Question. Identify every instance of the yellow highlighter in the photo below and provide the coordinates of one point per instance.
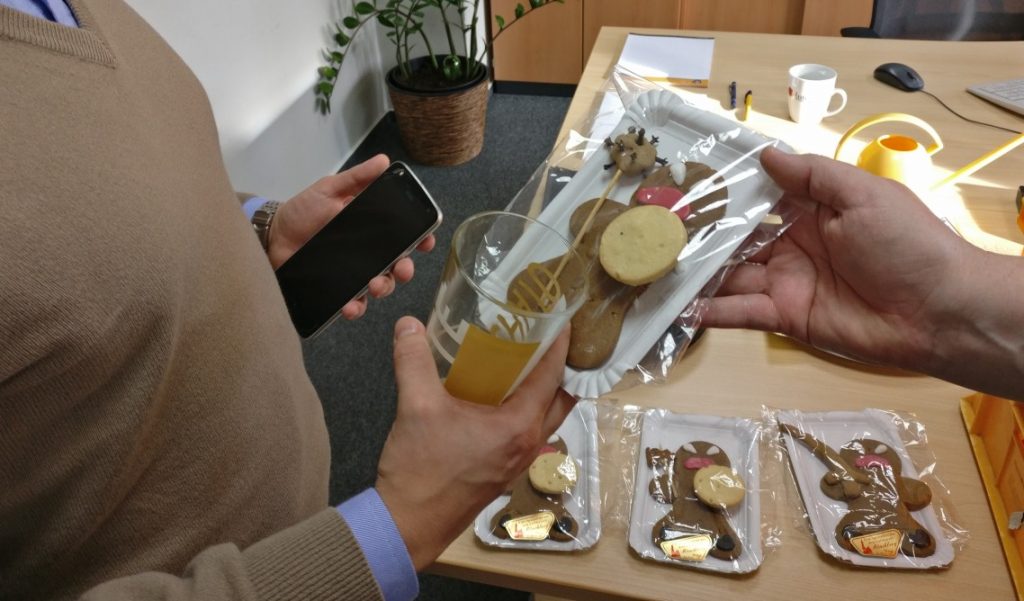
(748, 105)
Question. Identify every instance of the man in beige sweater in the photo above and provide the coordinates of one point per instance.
(159, 437)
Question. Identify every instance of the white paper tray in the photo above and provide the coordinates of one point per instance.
(685, 133)
(579, 431)
(737, 438)
(836, 428)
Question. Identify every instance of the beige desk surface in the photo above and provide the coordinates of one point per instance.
(736, 372)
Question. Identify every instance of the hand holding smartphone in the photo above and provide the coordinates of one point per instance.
(382, 224)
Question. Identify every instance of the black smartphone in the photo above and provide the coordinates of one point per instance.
(384, 223)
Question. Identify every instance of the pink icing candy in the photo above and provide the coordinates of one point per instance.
(546, 449)
(663, 196)
(872, 461)
(695, 463)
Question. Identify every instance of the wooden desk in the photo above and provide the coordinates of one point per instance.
(736, 372)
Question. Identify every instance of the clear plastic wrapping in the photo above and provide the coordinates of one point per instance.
(696, 491)
(869, 488)
(706, 170)
(555, 505)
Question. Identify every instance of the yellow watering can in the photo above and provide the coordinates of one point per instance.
(906, 160)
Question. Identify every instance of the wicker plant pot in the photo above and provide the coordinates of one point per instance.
(441, 127)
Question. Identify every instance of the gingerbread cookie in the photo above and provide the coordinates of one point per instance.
(597, 324)
(691, 518)
(867, 475)
(529, 501)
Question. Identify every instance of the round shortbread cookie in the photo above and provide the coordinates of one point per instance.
(553, 473)
(642, 244)
(719, 486)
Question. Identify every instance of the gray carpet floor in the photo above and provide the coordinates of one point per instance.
(350, 363)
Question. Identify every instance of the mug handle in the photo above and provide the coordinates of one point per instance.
(842, 105)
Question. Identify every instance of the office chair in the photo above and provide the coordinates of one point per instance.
(944, 20)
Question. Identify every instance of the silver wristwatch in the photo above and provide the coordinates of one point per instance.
(262, 219)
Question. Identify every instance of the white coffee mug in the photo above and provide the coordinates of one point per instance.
(811, 88)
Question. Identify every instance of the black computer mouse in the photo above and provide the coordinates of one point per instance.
(899, 76)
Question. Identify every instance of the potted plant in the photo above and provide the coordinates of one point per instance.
(439, 92)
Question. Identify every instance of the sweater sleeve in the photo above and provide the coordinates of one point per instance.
(317, 559)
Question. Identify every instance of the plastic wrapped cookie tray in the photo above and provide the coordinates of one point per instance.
(722, 540)
(541, 515)
(876, 510)
(685, 133)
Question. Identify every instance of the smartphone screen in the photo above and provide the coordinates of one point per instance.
(381, 225)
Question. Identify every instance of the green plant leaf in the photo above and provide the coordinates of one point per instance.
(364, 8)
(520, 11)
(501, 22)
(341, 39)
(337, 57)
(327, 72)
(325, 88)
(536, 3)
(350, 22)
(452, 67)
(385, 20)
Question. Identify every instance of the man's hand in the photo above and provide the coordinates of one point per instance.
(866, 272)
(445, 459)
(302, 216)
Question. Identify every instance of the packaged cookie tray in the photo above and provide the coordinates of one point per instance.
(697, 492)
(555, 505)
(714, 162)
(862, 493)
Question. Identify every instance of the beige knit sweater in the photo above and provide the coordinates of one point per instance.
(159, 437)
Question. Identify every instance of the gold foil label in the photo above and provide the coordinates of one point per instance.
(688, 548)
(884, 544)
(531, 527)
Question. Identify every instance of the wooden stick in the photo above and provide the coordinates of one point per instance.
(586, 224)
(546, 289)
(825, 453)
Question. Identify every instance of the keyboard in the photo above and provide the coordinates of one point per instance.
(1007, 94)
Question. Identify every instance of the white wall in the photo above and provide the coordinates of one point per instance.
(257, 60)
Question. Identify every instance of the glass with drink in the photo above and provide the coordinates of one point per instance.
(509, 287)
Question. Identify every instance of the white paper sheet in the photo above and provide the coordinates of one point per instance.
(679, 60)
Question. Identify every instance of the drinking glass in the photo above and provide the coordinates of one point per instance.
(509, 287)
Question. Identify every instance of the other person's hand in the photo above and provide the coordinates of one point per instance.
(302, 216)
(865, 272)
(445, 459)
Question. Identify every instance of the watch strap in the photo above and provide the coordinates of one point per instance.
(262, 220)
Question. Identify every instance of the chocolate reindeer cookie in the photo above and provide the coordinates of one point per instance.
(538, 497)
(700, 484)
(633, 152)
(867, 475)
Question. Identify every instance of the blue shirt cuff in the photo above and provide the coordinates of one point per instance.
(375, 531)
(249, 207)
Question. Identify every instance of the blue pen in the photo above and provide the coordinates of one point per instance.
(732, 95)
